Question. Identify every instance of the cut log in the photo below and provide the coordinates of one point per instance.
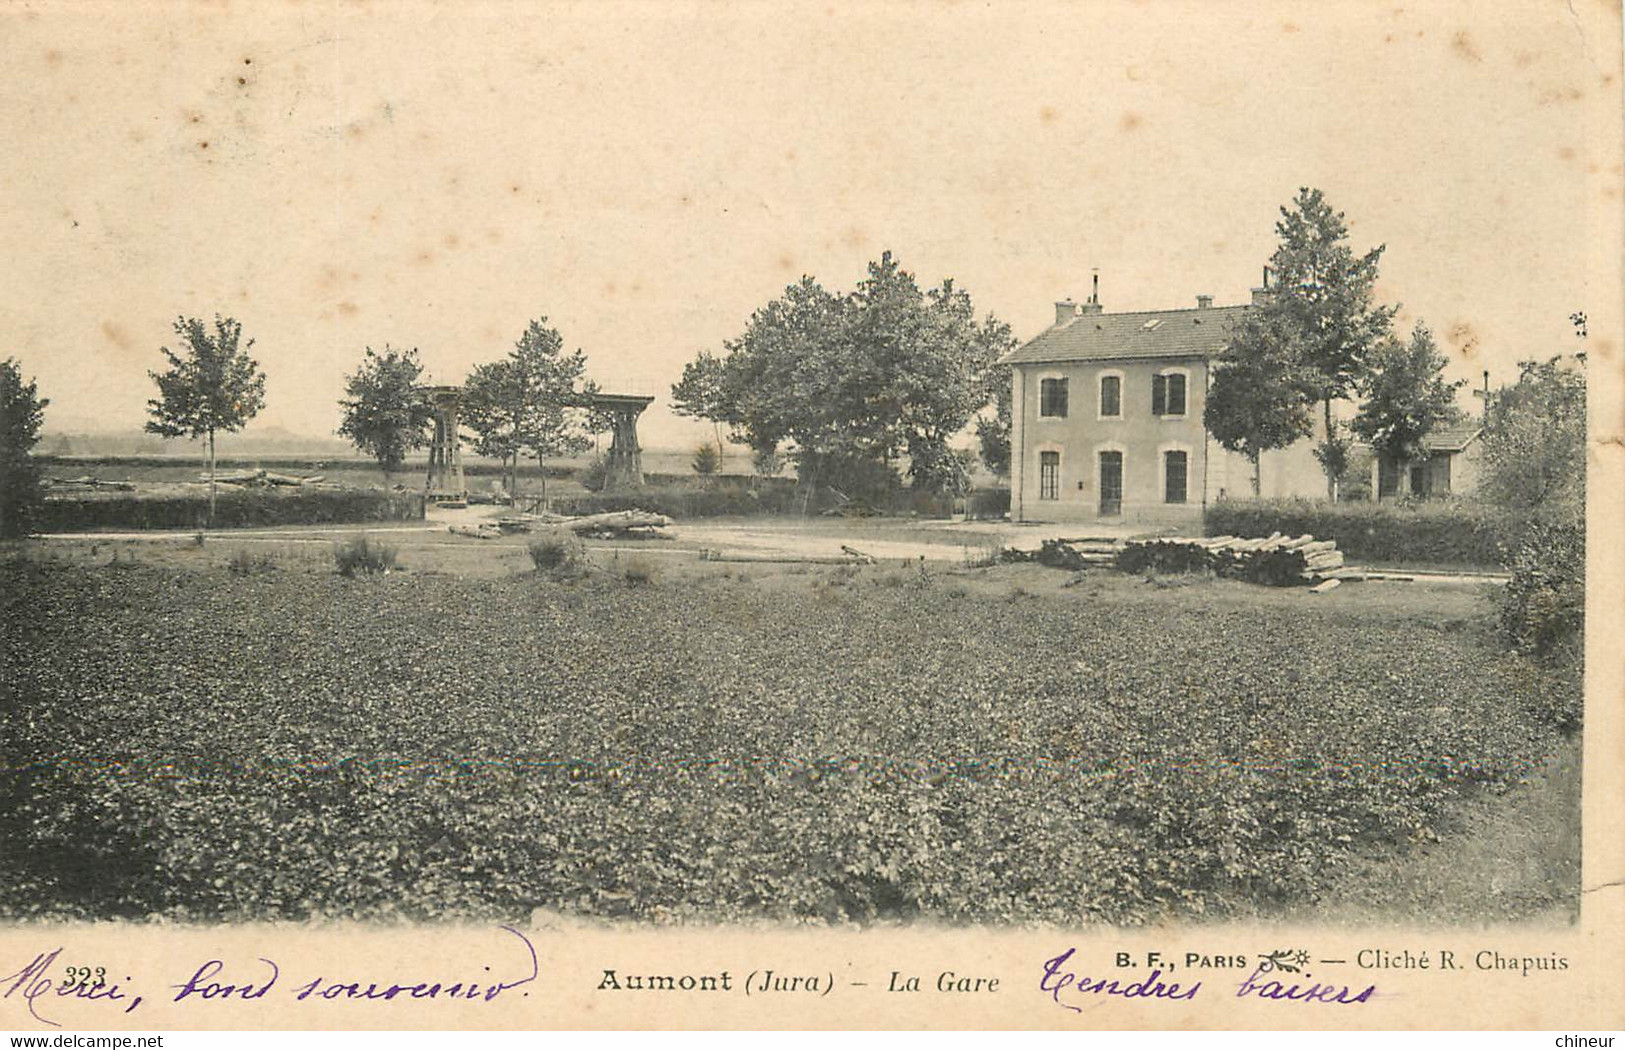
(1324, 560)
(478, 532)
(1318, 545)
(616, 521)
(1324, 586)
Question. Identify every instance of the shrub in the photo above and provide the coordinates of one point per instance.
(638, 571)
(594, 474)
(559, 551)
(364, 556)
(1453, 532)
(1542, 608)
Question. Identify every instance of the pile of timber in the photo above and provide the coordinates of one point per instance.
(1274, 560)
(1086, 553)
(261, 477)
(92, 483)
(613, 523)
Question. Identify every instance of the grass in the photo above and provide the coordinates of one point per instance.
(750, 748)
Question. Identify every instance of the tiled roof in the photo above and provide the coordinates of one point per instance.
(1453, 439)
(1095, 337)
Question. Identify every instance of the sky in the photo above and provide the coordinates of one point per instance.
(339, 175)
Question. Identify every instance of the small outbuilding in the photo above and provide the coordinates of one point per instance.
(1451, 463)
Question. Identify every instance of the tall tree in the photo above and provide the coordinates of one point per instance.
(1257, 402)
(993, 428)
(1406, 397)
(22, 412)
(531, 402)
(701, 393)
(385, 413)
(1325, 290)
(211, 386)
(494, 408)
(853, 382)
(1535, 439)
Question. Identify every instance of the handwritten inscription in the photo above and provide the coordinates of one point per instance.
(1065, 986)
(1301, 993)
(34, 985)
(37, 986)
(1059, 980)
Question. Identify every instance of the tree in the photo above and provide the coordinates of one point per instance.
(386, 415)
(701, 393)
(1324, 291)
(854, 382)
(493, 407)
(215, 387)
(1535, 439)
(993, 431)
(1256, 402)
(707, 460)
(1406, 397)
(531, 402)
(22, 412)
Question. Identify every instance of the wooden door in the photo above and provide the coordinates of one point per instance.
(1111, 483)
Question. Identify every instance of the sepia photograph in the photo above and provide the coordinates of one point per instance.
(879, 469)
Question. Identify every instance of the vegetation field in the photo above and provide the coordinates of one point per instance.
(824, 745)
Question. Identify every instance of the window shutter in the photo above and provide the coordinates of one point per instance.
(1176, 395)
(1159, 395)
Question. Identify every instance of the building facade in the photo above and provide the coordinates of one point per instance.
(1450, 466)
(1107, 420)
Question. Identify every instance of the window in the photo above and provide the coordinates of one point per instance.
(1111, 396)
(1168, 394)
(1175, 470)
(1049, 474)
(1052, 398)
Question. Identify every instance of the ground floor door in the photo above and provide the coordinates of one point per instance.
(1111, 484)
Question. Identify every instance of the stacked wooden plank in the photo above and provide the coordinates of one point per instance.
(1085, 553)
(1275, 560)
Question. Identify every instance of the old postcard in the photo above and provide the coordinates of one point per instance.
(830, 515)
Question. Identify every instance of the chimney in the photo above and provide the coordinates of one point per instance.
(1093, 305)
(1263, 293)
(1065, 310)
(1204, 302)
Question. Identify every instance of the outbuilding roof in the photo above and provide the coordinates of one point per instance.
(1197, 332)
(1454, 438)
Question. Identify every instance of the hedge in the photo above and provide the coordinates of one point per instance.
(237, 509)
(1441, 532)
(726, 498)
(720, 499)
